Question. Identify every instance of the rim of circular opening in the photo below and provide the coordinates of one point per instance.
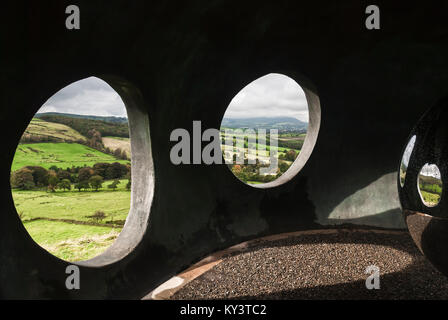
(142, 176)
(413, 139)
(314, 117)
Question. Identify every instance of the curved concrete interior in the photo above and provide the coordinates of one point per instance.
(428, 223)
(177, 62)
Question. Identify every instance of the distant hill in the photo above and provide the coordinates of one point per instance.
(42, 131)
(83, 124)
(280, 123)
(110, 119)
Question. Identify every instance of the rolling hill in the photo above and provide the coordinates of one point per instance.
(83, 124)
(110, 119)
(62, 155)
(280, 123)
(42, 131)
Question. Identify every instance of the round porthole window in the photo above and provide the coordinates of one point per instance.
(269, 130)
(71, 176)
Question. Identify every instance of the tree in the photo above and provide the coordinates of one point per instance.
(114, 184)
(40, 175)
(53, 182)
(116, 170)
(124, 155)
(117, 153)
(54, 168)
(283, 166)
(290, 155)
(98, 216)
(96, 182)
(63, 174)
(82, 185)
(22, 179)
(100, 169)
(85, 174)
(65, 184)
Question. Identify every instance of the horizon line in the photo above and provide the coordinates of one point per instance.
(78, 114)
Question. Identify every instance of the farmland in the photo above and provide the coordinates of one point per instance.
(39, 130)
(71, 242)
(62, 155)
(74, 205)
(70, 190)
(114, 143)
(431, 199)
(430, 189)
(246, 146)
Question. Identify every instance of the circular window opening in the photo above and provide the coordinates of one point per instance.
(430, 185)
(71, 172)
(269, 130)
(405, 160)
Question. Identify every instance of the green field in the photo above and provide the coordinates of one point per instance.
(73, 204)
(288, 150)
(67, 223)
(431, 199)
(62, 155)
(64, 239)
(71, 242)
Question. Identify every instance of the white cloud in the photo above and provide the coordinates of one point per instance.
(90, 96)
(430, 170)
(272, 95)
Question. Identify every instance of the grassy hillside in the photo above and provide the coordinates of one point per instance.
(71, 242)
(40, 130)
(280, 123)
(110, 119)
(114, 143)
(74, 204)
(83, 125)
(43, 214)
(62, 155)
(64, 222)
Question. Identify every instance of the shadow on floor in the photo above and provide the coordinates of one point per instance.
(242, 275)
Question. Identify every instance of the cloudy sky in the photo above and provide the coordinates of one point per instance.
(430, 170)
(90, 96)
(272, 95)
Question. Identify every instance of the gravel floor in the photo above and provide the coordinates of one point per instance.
(322, 266)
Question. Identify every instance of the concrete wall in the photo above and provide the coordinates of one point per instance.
(185, 61)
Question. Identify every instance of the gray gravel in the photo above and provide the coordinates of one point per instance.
(322, 266)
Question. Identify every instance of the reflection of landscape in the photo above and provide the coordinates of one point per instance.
(254, 149)
(405, 160)
(70, 182)
(430, 185)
